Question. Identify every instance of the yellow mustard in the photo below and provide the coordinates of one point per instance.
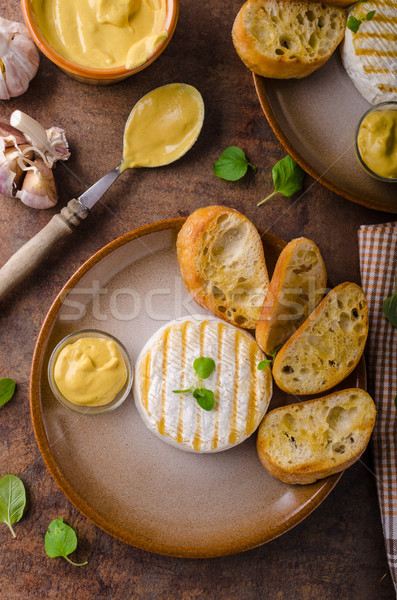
(102, 34)
(377, 142)
(90, 371)
(162, 126)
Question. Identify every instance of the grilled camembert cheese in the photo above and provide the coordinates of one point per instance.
(242, 392)
(370, 55)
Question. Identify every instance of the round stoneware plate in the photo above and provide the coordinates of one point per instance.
(114, 470)
(315, 119)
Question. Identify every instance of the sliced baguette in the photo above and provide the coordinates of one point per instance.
(310, 440)
(296, 288)
(287, 38)
(327, 346)
(222, 263)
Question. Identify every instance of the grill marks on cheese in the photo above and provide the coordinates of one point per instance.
(375, 45)
(242, 393)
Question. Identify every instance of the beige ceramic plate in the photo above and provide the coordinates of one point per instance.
(315, 119)
(122, 477)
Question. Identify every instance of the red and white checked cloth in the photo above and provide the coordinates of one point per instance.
(378, 262)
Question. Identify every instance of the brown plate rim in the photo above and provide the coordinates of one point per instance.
(224, 549)
(260, 88)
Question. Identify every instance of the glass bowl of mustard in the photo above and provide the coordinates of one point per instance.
(375, 141)
(90, 372)
(101, 41)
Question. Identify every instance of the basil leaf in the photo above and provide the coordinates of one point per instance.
(61, 540)
(204, 366)
(7, 389)
(287, 178)
(264, 363)
(353, 24)
(232, 164)
(205, 398)
(369, 16)
(12, 500)
(390, 309)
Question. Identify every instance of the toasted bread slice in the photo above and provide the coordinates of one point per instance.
(310, 440)
(296, 288)
(287, 38)
(327, 346)
(222, 263)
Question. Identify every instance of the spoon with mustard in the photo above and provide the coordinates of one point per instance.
(161, 128)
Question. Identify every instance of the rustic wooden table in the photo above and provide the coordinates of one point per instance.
(338, 551)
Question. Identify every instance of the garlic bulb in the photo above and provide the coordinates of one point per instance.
(19, 59)
(28, 152)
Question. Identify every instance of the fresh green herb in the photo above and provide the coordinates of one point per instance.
(269, 361)
(12, 500)
(61, 540)
(203, 367)
(390, 307)
(354, 24)
(184, 391)
(7, 389)
(265, 363)
(395, 401)
(287, 178)
(205, 398)
(232, 164)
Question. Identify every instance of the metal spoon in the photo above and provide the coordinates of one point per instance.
(30, 255)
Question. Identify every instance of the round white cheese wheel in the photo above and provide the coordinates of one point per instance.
(370, 55)
(242, 392)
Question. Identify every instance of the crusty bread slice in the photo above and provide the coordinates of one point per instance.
(310, 440)
(327, 346)
(296, 288)
(222, 263)
(287, 38)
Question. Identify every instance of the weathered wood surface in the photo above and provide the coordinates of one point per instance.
(338, 551)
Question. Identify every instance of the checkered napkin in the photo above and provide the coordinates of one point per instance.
(378, 262)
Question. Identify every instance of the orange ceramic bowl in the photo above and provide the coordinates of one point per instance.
(87, 74)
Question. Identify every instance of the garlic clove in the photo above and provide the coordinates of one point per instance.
(19, 59)
(35, 132)
(11, 182)
(7, 177)
(9, 136)
(38, 188)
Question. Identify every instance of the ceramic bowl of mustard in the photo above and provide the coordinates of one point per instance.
(90, 372)
(101, 41)
(375, 141)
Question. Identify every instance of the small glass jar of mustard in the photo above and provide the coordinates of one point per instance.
(90, 372)
(376, 141)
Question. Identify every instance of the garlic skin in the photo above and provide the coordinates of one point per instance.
(50, 144)
(19, 59)
(38, 188)
(11, 173)
(57, 139)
